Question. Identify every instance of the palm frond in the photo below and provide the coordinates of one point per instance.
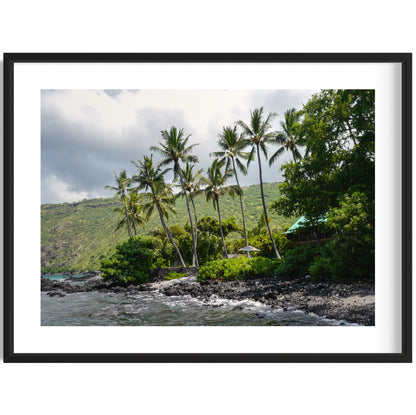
(187, 150)
(189, 158)
(263, 149)
(280, 138)
(297, 154)
(110, 188)
(217, 154)
(159, 150)
(269, 137)
(164, 162)
(233, 190)
(228, 164)
(252, 156)
(277, 154)
(246, 129)
(241, 166)
(269, 118)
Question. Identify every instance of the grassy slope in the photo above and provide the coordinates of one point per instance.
(78, 235)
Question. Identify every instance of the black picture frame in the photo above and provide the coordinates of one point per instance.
(404, 59)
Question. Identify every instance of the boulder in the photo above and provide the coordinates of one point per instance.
(56, 294)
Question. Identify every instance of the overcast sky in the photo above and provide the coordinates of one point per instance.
(87, 135)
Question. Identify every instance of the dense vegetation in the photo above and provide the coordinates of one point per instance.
(76, 236)
(131, 262)
(335, 179)
(238, 268)
(331, 185)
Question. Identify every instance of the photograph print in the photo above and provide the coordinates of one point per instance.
(207, 207)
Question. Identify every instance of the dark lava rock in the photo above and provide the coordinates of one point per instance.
(119, 289)
(73, 289)
(269, 295)
(56, 294)
(47, 284)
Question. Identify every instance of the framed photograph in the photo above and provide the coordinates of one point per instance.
(207, 207)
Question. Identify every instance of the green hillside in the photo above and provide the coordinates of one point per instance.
(78, 235)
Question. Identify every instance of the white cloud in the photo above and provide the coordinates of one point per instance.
(55, 190)
(88, 134)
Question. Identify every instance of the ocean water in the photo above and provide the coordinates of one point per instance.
(59, 277)
(152, 308)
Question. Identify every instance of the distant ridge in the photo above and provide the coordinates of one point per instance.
(78, 235)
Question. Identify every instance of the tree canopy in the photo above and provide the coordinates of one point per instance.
(338, 127)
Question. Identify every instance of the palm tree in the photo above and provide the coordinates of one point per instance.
(123, 182)
(215, 188)
(151, 177)
(135, 210)
(259, 135)
(232, 146)
(173, 149)
(165, 199)
(289, 137)
(193, 184)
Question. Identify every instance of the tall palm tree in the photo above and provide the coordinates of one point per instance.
(173, 149)
(216, 188)
(289, 138)
(151, 177)
(135, 203)
(193, 183)
(123, 182)
(259, 135)
(232, 145)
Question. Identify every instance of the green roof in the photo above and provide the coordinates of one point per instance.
(302, 222)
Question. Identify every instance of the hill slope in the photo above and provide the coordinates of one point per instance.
(78, 235)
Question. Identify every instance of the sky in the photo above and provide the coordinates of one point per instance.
(88, 135)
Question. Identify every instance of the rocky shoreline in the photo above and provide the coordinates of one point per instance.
(353, 302)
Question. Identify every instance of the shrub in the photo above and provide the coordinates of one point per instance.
(174, 275)
(298, 260)
(209, 248)
(320, 268)
(237, 268)
(351, 253)
(131, 261)
(263, 243)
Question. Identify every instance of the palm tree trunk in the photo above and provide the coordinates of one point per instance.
(315, 233)
(222, 235)
(134, 222)
(264, 206)
(194, 256)
(167, 232)
(128, 221)
(196, 221)
(293, 155)
(242, 206)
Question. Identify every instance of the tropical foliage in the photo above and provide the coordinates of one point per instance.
(174, 275)
(298, 260)
(232, 145)
(76, 236)
(238, 268)
(257, 131)
(174, 149)
(123, 182)
(131, 262)
(351, 253)
(216, 188)
(331, 140)
(151, 177)
(336, 179)
(290, 137)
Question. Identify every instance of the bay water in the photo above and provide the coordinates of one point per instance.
(152, 308)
